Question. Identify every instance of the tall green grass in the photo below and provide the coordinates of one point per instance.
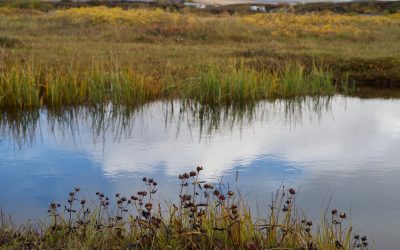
(34, 85)
(217, 84)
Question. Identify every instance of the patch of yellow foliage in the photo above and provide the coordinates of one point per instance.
(277, 24)
(103, 14)
(289, 24)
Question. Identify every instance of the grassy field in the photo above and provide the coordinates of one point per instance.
(205, 216)
(97, 54)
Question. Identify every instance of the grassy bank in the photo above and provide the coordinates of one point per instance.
(86, 55)
(205, 216)
(31, 86)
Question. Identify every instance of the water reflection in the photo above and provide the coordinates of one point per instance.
(348, 147)
(24, 127)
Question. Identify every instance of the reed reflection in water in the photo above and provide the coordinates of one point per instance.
(26, 127)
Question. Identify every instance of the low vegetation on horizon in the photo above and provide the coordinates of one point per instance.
(205, 216)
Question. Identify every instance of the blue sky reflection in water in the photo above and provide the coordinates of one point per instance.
(345, 147)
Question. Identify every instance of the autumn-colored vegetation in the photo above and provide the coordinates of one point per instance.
(94, 55)
(287, 24)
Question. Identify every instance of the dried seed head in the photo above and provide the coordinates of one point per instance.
(192, 174)
(77, 189)
(291, 191)
(199, 168)
(252, 246)
(53, 205)
(334, 211)
(342, 215)
(216, 192)
(186, 197)
(142, 193)
(230, 193)
(149, 206)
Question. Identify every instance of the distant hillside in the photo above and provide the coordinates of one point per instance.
(218, 6)
(362, 7)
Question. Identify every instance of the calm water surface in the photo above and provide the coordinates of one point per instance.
(347, 148)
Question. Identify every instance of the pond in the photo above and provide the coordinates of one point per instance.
(339, 152)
